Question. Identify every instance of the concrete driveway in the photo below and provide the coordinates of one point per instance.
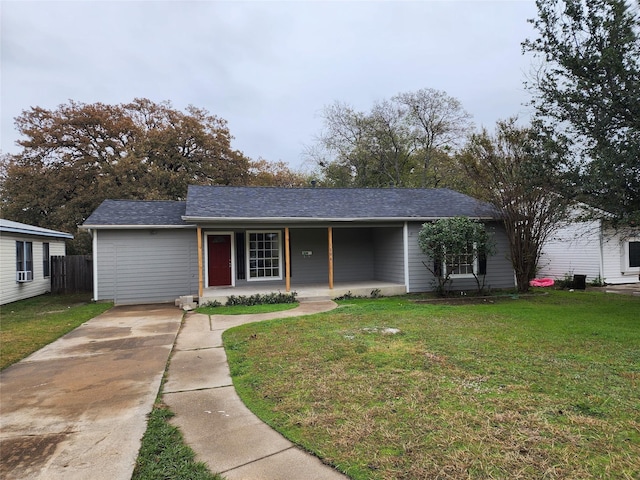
(77, 408)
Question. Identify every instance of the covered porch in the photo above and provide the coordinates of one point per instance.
(306, 292)
(315, 261)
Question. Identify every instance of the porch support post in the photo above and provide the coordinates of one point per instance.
(287, 260)
(200, 281)
(331, 258)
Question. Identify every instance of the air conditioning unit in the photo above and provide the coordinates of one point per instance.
(24, 276)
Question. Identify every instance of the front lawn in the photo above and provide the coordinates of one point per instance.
(28, 325)
(539, 387)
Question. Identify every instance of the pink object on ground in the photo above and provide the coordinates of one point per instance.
(541, 282)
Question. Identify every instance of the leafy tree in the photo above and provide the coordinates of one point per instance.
(588, 90)
(274, 174)
(448, 240)
(77, 155)
(519, 172)
(405, 141)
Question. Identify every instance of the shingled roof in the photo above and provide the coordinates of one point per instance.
(304, 204)
(137, 213)
(215, 202)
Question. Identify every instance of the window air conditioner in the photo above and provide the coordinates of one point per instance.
(24, 276)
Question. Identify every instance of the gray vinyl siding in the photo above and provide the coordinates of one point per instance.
(146, 266)
(313, 268)
(353, 257)
(499, 270)
(388, 248)
(420, 279)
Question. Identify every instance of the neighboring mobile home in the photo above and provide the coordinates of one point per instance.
(25, 255)
(590, 248)
(229, 239)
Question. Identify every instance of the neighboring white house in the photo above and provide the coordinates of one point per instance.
(25, 253)
(590, 248)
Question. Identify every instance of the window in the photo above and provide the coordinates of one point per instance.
(24, 261)
(463, 265)
(264, 255)
(46, 270)
(634, 253)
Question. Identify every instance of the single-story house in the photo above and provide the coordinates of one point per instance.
(234, 240)
(25, 255)
(591, 248)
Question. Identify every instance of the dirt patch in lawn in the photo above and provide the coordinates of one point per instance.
(476, 300)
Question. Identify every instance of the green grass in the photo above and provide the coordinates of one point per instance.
(28, 325)
(164, 455)
(538, 387)
(163, 452)
(243, 310)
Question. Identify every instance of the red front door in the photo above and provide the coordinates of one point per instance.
(219, 248)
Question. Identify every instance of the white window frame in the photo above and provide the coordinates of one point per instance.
(626, 268)
(248, 268)
(46, 260)
(474, 265)
(23, 273)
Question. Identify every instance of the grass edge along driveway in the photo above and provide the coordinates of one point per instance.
(28, 325)
(543, 387)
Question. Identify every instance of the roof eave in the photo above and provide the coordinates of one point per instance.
(132, 227)
(36, 233)
(321, 220)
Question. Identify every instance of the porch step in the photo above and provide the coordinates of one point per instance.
(186, 303)
(321, 298)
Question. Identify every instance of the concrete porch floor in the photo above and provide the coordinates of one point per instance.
(311, 291)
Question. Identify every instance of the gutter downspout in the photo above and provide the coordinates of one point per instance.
(405, 241)
(601, 240)
(94, 250)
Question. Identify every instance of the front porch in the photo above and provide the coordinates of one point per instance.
(306, 292)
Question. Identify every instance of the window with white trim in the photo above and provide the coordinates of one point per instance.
(46, 263)
(462, 265)
(24, 261)
(264, 256)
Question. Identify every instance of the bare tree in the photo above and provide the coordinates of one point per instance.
(437, 122)
(520, 174)
(397, 142)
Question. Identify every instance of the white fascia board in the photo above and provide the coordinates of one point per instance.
(37, 233)
(319, 220)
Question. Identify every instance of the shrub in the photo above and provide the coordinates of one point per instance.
(261, 299)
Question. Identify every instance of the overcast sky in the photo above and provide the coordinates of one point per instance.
(267, 67)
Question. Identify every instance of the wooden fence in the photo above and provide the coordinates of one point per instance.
(71, 274)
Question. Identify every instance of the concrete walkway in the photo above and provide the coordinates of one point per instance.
(624, 289)
(77, 408)
(214, 421)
